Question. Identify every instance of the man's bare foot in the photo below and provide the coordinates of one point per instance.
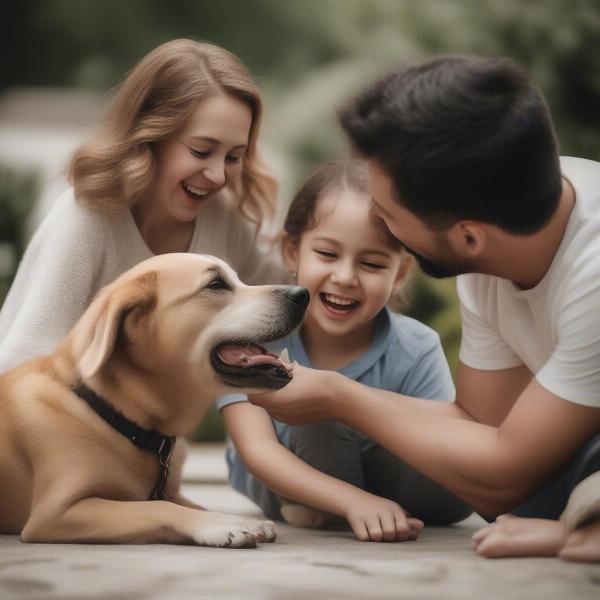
(300, 515)
(514, 536)
(583, 544)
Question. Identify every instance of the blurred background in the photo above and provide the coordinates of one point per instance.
(60, 59)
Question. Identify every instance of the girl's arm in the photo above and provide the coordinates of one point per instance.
(371, 517)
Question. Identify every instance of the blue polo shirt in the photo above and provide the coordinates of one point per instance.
(405, 356)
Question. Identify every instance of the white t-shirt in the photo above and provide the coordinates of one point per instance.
(554, 328)
(77, 250)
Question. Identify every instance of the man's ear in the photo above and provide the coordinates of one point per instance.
(289, 253)
(406, 264)
(468, 238)
(97, 331)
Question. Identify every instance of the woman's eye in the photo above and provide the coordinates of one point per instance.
(326, 253)
(218, 283)
(234, 159)
(200, 153)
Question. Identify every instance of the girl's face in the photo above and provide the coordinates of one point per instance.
(204, 157)
(345, 264)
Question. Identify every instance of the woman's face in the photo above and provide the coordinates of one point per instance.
(204, 157)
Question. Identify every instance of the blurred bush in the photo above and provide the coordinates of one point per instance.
(18, 192)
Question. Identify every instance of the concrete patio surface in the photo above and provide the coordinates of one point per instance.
(301, 564)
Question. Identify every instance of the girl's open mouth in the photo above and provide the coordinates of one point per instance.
(338, 305)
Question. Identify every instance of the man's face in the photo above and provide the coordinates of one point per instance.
(429, 247)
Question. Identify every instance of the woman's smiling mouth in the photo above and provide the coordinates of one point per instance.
(193, 192)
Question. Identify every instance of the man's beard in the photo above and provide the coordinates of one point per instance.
(433, 269)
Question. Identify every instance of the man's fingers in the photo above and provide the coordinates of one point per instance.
(482, 533)
(259, 399)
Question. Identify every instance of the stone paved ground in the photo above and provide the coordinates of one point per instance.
(302, 564)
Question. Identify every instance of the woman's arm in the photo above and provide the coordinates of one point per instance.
(371, 517)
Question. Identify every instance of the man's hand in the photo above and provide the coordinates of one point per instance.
(308, 398)
(378, 519)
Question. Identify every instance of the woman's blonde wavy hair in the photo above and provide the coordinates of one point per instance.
(115, 168)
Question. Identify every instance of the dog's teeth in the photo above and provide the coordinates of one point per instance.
(284, 355)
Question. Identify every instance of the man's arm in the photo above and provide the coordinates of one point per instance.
(493, 465)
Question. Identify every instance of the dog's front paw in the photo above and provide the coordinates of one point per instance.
(228, 531)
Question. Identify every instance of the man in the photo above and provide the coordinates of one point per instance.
(464, 170)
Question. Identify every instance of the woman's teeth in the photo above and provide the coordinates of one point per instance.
(193, 190)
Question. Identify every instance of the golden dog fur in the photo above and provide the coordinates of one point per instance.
(144, 345)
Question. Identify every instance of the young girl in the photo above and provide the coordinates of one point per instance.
(351, 265)
(173, 168)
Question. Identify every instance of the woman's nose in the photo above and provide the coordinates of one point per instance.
(215, 173)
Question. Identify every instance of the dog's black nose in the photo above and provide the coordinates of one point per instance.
(299, 295)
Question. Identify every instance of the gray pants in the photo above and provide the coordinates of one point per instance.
(349, 455)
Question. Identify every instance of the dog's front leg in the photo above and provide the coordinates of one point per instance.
(180, 499)
(96, 520)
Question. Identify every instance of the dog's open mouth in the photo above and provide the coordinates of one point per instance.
(249, 365)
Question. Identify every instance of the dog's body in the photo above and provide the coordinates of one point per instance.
(158, 344)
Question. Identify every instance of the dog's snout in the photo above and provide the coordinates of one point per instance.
(299, 295)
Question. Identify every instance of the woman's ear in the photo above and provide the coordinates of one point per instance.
(289, 253)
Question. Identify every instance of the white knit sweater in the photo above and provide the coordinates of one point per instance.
(77, 250)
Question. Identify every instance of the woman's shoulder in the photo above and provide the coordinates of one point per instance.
(70, 224)
(69, 211)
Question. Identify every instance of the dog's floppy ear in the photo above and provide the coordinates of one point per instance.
(98, 330)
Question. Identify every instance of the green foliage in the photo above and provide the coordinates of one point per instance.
(17, 195)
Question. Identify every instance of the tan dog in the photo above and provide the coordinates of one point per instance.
(158, 344)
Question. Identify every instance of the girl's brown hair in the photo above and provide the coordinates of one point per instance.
(332, 177)
(115, 169)
(337, 177)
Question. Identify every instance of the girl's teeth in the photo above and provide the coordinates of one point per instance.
(341, 301)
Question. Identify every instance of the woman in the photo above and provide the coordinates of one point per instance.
(172, 168)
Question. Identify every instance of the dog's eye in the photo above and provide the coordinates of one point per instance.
(218, 283)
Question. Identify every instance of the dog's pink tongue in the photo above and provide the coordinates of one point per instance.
(245, 356)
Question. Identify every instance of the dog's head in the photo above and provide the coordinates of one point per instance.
(189, 314)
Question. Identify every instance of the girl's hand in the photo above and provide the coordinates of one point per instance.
(378, 519)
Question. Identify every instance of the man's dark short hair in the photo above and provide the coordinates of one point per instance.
(461, 138)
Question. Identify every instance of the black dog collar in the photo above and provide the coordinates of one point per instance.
(145, 439)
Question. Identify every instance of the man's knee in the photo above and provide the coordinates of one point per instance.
(588, 461)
